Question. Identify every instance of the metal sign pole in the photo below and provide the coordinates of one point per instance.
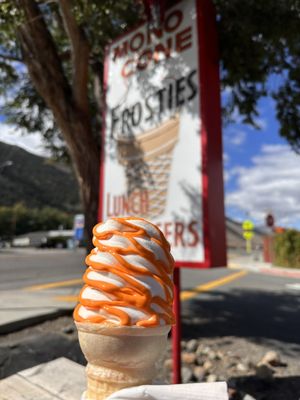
(176, 330)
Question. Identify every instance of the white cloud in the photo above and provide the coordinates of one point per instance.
(235, 138)
(272, 183)
(226, 158)
(226, 175)
(31, 142)
(226, 172)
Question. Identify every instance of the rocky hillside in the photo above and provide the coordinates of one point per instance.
(35, 181)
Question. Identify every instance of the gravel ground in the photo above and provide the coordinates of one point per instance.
(253, 369)
(241, 363)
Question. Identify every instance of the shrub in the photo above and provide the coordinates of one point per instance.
(18, 219)
(287, 249)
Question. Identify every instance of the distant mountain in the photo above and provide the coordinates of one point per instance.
(35, 181)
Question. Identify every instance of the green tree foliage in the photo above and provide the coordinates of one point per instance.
(287, 249)
(257, 39)
(19, 219)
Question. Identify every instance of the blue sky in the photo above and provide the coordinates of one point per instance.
(261, 171)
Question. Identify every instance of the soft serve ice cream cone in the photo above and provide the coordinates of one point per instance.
(125, 308)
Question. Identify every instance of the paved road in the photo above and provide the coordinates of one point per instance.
(218, 302)
(22, 268)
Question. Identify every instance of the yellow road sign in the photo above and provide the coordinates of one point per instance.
(248, 235)
(248, 225)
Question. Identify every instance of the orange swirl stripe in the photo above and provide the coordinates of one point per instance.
(132, 293)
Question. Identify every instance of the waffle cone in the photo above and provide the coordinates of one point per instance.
(102, 382)
(119, 357)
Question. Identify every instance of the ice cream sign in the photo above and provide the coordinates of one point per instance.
(160, 148)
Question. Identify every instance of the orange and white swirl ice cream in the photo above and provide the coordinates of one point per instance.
(129, 277)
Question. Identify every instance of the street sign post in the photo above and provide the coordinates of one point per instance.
(248, 234)
(162, 152)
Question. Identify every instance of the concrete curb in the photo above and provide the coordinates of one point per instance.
(266, 269)
(277, 271)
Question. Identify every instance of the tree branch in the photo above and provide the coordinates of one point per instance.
(40, 55)
(80, 55)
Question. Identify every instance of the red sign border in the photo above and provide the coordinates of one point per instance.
(211, 138)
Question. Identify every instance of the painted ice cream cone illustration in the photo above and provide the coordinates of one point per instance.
(147, 160)
(125, 307)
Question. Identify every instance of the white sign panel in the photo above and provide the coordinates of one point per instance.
(152, 159)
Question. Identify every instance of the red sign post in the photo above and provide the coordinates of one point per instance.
(162, 152)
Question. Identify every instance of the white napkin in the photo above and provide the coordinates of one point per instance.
(189, 391)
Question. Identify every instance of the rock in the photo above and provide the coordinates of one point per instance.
(183, 345)
(212, 355)
(264, 371)
(232, 365)
(68, 329)
(207, 365)
(188, 358)
(248, 397)
(251, 365)
(200, 359)
(206, 350)
(272, 358)
(219, 355)
(211, 378)
(199, 350)
(186, 374)
(191, 345)
(168, 364)
(241, 367)
(199, 373)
